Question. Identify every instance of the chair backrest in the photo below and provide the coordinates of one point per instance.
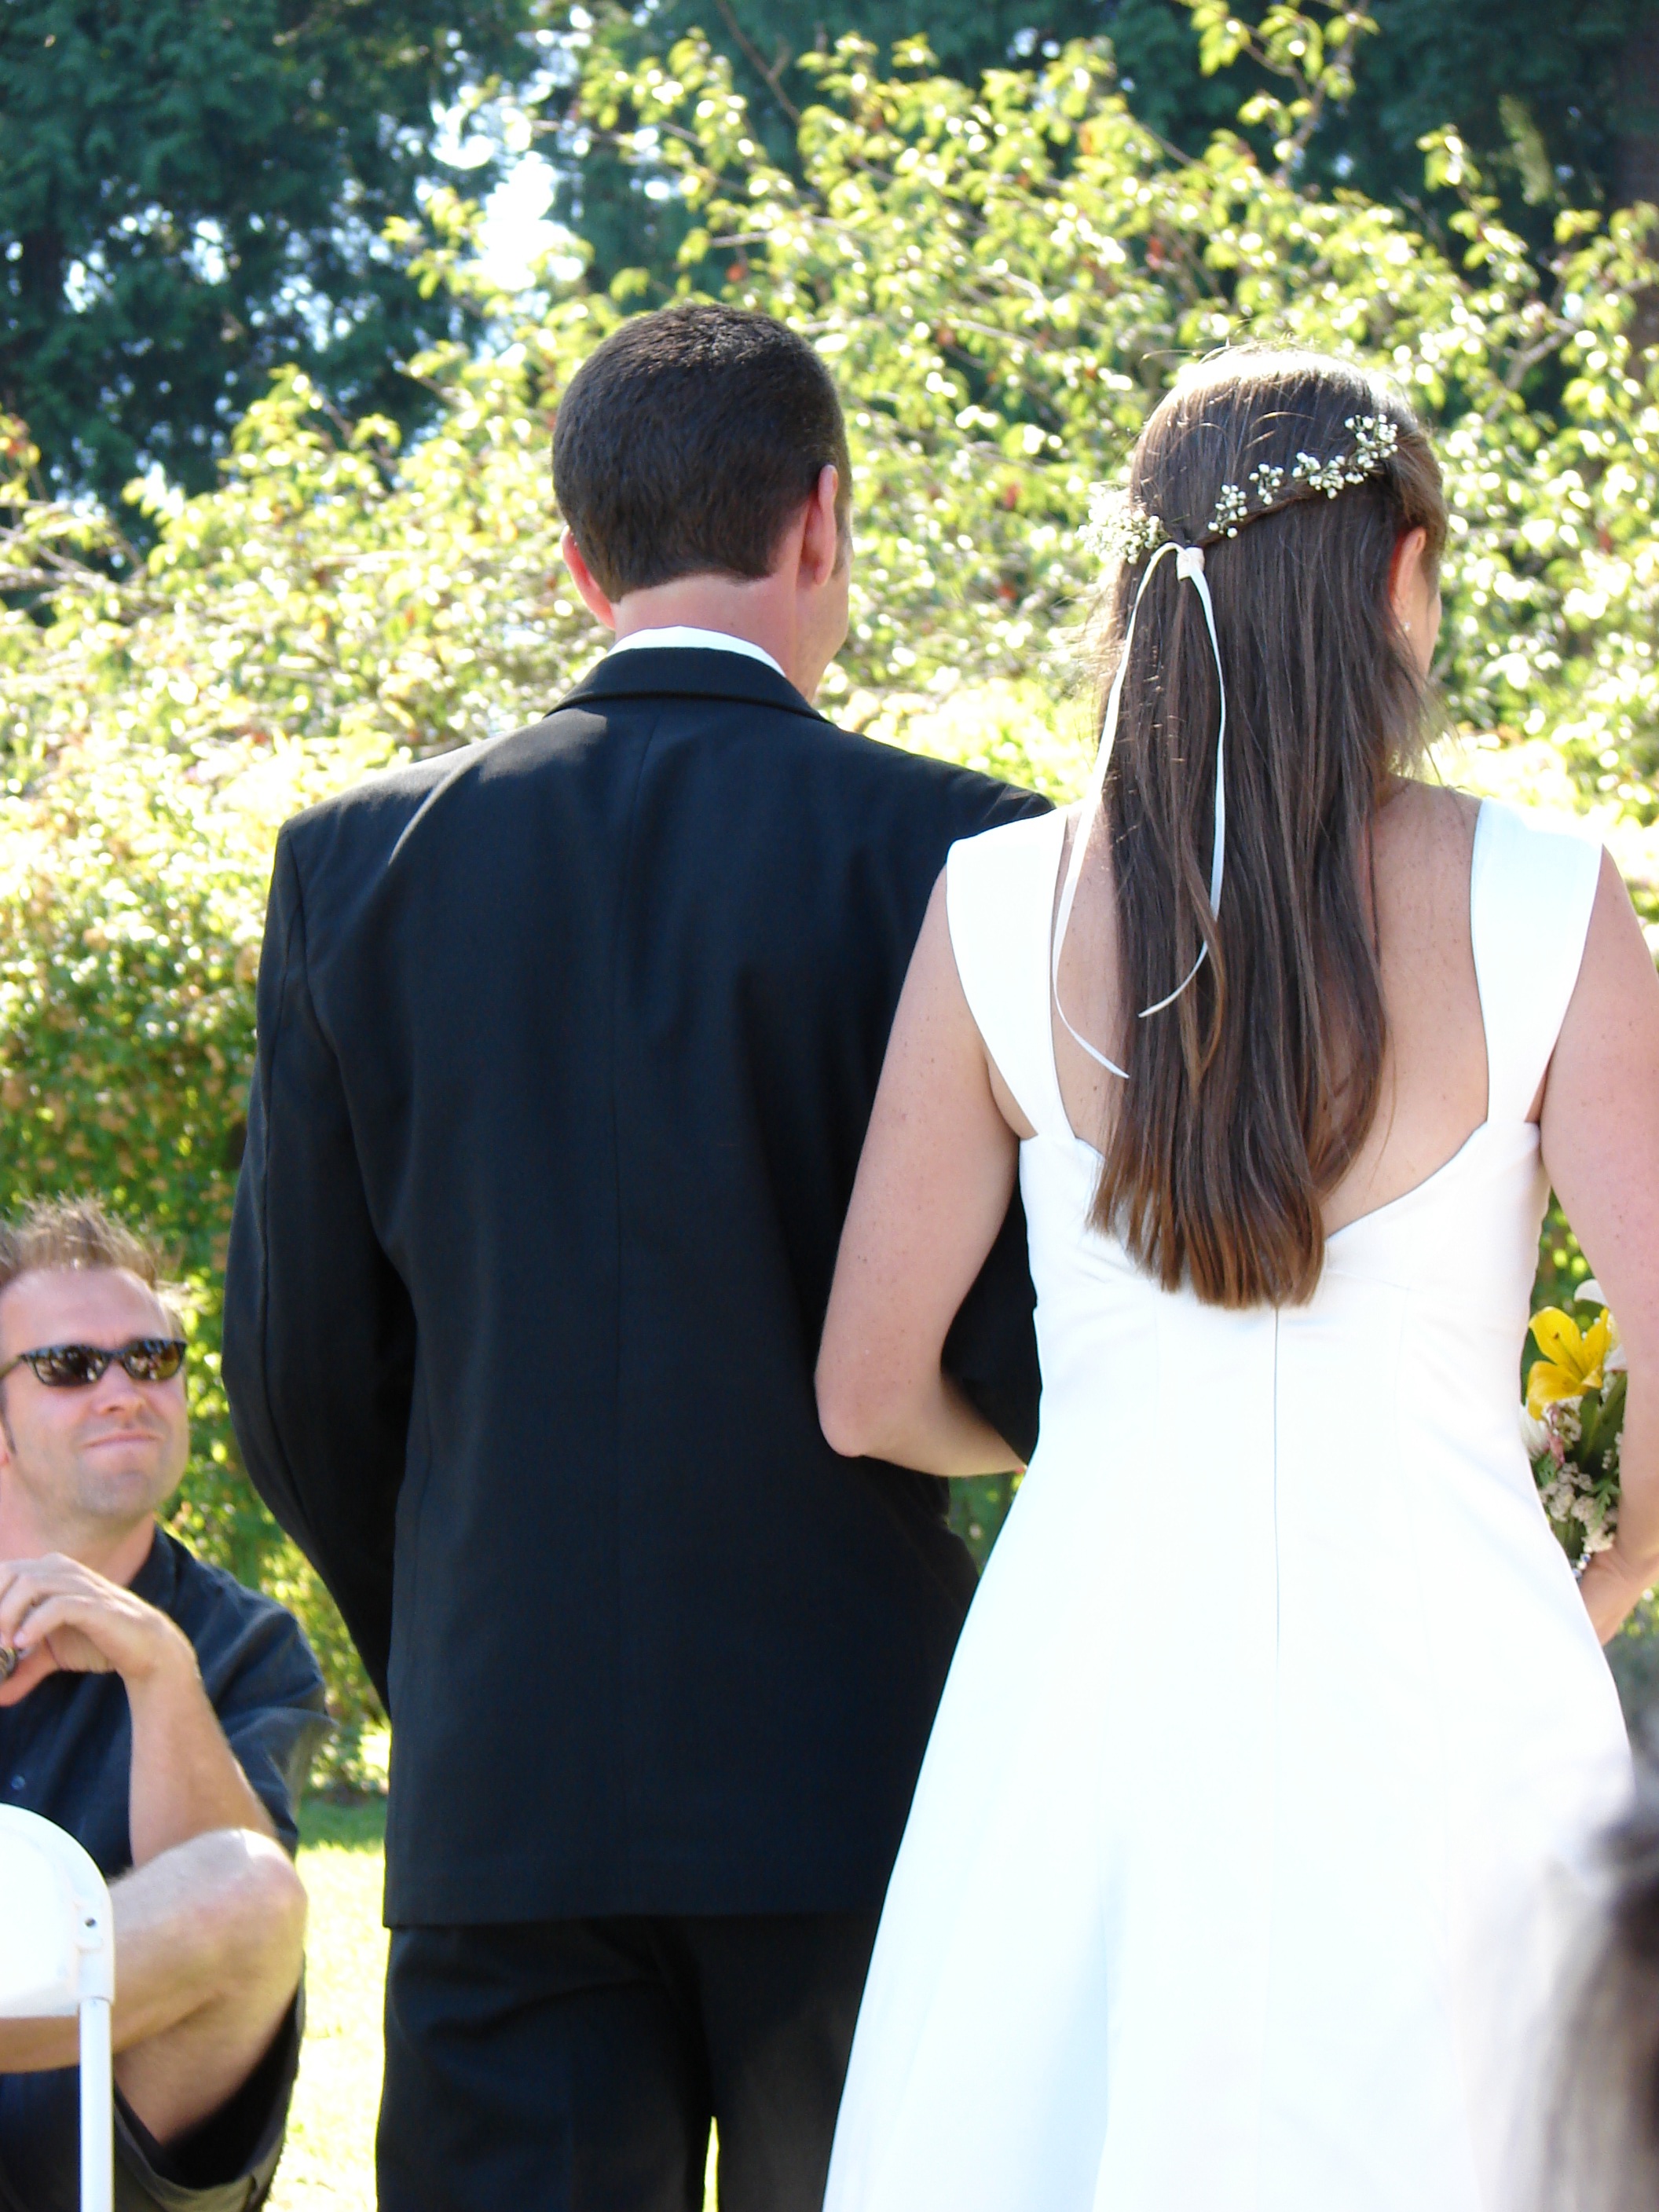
(56, 1944)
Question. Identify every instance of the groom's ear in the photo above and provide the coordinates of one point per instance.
(823, 543)
(582, 577)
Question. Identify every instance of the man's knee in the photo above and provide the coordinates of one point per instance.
(240, 1909)
(256, 1904)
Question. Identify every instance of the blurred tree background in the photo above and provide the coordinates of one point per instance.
(1004, 272)
(193, 194)
(1559, 106)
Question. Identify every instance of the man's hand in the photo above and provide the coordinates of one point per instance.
(61, 1617)
(58, 1616)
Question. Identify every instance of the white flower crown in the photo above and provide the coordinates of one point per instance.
(1116, 531)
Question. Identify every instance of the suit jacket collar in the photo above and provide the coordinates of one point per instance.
(687, 672)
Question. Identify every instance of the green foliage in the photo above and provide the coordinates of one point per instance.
(1538, 91)
(979, 1506)
(1633, 1655)
(1561, 1267)
(1005, 279)
(130, 908)
(769, 46)
(1548, 99)
(194, 194)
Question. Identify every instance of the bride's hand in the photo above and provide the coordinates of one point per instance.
(1611, 1586)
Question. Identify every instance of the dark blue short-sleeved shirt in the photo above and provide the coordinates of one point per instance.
(66, 1750)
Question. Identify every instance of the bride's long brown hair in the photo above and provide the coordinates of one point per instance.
(1249, 1096)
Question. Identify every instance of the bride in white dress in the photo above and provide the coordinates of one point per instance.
(1251, 1843)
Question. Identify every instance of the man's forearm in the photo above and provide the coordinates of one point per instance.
(186, 1778)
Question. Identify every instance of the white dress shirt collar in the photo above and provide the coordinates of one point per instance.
(674, 635)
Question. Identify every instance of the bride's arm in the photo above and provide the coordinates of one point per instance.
(933, 1185)
(1600, 1127)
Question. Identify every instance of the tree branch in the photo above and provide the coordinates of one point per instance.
(751, 54)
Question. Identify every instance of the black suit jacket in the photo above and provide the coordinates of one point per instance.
(567, 1046)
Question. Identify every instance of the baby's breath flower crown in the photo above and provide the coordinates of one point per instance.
(1117, 531)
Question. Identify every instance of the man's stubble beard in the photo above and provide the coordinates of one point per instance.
(85, 1502)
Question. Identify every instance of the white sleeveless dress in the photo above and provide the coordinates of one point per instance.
(1256, 1819)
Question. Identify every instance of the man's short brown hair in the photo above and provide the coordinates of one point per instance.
(688, 441)
(76, 1232)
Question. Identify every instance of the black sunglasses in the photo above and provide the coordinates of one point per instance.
(73, 1366)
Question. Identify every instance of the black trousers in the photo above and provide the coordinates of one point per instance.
(575, 2065)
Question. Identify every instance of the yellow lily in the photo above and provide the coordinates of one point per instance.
(1573, 1358)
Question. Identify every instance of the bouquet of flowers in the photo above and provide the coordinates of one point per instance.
(1572, 1420)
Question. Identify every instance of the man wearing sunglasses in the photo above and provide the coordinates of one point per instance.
(161, 1713)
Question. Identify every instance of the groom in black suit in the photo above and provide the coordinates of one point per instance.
(567, 1045)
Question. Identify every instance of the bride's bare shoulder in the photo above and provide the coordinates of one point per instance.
(1426, 831)
(1433, 813)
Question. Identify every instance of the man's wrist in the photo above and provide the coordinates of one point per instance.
(168, 1666)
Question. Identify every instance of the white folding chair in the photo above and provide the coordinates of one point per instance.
(58, 1961)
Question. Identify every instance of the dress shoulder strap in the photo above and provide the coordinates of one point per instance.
(1000, 903)
(1530, 894)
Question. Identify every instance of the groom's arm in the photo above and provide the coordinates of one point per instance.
(991, 1351)
(319, 1336)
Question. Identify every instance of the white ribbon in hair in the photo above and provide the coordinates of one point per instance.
(1189, 568)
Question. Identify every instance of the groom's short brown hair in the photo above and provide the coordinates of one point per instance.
(689, 440)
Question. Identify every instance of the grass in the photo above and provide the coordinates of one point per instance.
(329, 2164)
